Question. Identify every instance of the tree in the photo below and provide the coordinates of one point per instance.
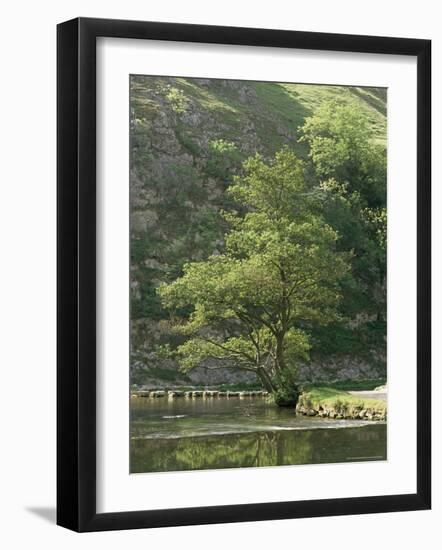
(342, 147)
(251, 306)
(351, 167)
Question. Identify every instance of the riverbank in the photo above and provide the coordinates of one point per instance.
(365, 403)
(327, 402)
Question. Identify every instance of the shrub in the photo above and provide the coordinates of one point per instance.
(286, 397)
(287, 391)
(177, 99)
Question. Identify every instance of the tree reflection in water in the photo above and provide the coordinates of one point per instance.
(270, 448)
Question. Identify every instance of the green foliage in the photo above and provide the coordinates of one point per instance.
(164, 351)
(376, 220)
(351, 168)
(224, 158)
(187, 141)
(140, 248)
(177, 99)
(145, 303)
(340, 338)
(223, 147)
(286, 393)
(341, 147)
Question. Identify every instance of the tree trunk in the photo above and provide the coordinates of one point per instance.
(265, 380)
(280, 361)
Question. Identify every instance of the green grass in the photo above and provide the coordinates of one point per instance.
(331, 397)
(350, 385)
(310, 97)
(214, 102)
(282, 104)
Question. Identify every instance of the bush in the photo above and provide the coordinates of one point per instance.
(286, 397)
(287, 391)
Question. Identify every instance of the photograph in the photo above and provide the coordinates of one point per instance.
(220, 266)
(258, 273)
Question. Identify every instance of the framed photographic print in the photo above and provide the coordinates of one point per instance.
(243, 274)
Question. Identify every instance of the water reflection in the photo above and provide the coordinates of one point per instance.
(219, 433)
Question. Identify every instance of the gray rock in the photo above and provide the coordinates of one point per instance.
(176, 393)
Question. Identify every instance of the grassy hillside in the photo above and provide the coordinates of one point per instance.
(275, 110)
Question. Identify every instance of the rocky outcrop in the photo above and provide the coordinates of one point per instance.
(344, 367)
(340, 413)
(328, 369)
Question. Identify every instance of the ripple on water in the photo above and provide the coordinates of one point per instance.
(182, 419)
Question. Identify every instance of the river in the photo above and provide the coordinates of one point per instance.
(197, 434)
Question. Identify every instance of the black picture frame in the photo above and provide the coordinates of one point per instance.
(76, 273)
